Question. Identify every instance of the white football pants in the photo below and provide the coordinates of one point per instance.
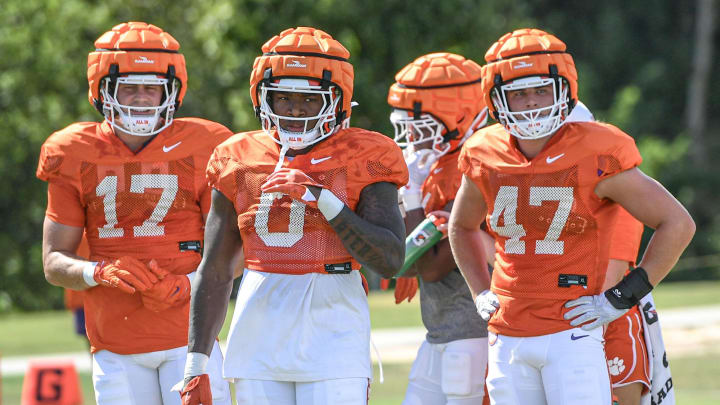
(562, 368)
(147, 378)
(341, 391)
(451, 373)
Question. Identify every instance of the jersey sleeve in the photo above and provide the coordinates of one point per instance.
(64, 205)
(220, 173)
(622, 154)
(441, 187)
(382, 161)
(626, 236)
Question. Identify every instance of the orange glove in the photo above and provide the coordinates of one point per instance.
(197, 391)
(405, 288)
(126, 273)
(292, 182)
(170, 291)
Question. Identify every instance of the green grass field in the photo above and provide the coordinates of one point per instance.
(696, 377)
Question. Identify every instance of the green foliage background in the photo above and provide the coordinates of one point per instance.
(633, 60)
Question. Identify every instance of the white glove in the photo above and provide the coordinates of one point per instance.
(486, 303)
(595, 308)
(418, 164)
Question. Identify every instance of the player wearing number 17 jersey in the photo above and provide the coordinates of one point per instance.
(309, 200)
(550, 192)
(135, 185)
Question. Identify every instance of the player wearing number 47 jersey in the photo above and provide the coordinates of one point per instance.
(550, 192)
(135, 184)
(309, 200)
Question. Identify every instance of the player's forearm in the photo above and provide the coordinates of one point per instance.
(208, 306)
(668, 242)
(469, 255)
(375, 247)
(64, 269)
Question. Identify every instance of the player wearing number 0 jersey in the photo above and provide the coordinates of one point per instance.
(135, 185)
(550, 192)
(309, 200)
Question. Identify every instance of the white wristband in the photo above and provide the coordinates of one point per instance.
(412, 200)
(196, 364)
(329, 205)
(89, 273)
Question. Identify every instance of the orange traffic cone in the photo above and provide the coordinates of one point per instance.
(51, 382)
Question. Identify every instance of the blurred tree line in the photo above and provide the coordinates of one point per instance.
(635, 63)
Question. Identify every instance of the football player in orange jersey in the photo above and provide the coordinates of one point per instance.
(135, 184)
(309, 200)
(437, 104)
(550, 193)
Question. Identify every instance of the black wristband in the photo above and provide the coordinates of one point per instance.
(628, 292)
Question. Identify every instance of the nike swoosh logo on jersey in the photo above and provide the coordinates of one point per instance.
(167, 149)
(554, 158)
(573, 337)
(438, 170)
(316, 161)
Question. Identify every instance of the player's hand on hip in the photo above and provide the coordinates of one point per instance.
(196, 391)
(295, 183)
(440, 219)
(126, 273)
(172, 290)
(486, 303)
(595, 309)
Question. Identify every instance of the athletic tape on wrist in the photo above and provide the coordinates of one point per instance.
(329, 205)
(196, 364)
(628, 292)
(89, 273)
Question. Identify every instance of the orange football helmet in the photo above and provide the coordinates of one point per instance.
(528, 58)
(303, 60)
(136, 53)
(438, 98)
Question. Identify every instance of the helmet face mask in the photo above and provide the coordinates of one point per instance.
(535, 123)
(136, 53)
(138, 120)
(424, 134)
(308, 61)
(316, 127)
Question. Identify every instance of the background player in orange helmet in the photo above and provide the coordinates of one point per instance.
(550, 192)
(135, 184)
(437, 104)
(309, 200)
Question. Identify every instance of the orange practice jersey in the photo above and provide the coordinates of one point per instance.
(148, 204)
(442, 184)
(285, 236)
(625, 242)
(552, 232)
